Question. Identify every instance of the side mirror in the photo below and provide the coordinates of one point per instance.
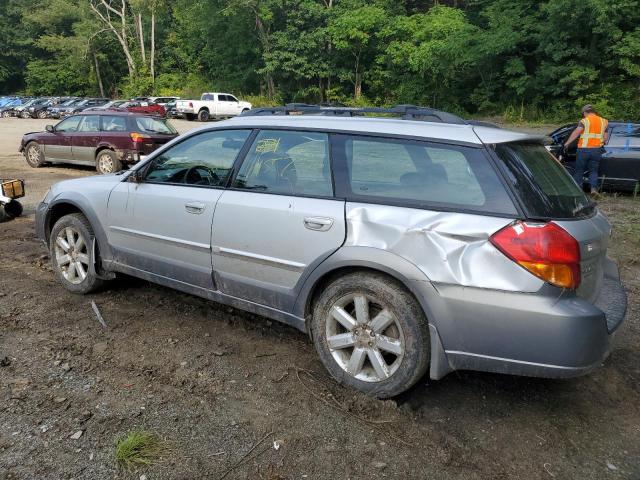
(136, 176)
(49, 128)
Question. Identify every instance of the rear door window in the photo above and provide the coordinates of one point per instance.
(624, 136)
(113, 123)
(545, 188)
(419, 174)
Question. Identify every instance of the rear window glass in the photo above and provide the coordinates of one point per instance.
(423, 175)
(155, 125)
(545, 188)
(113, 123)
(625, 136)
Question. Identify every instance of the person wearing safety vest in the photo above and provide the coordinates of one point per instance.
(593, 134)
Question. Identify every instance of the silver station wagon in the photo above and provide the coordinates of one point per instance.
(411, 242)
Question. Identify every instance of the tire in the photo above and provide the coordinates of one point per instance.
(33, 155)
(72, 234)
(4, 217)
(403, 330)
(42, 114)
(6, 114)
(13, 208)
(244, 110)
(203, 115)
(107, 162)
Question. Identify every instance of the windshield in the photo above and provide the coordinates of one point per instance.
(68, 102)
(155, 125)
(29, 102)
(545, 188)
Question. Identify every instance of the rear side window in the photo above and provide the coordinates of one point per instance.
(112, 123)
(420, 174)
(155, 125)
(543, 185)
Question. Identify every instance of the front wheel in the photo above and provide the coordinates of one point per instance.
(203, 116)
(107, 162)
(70, 246)
(371, 334)
(33, 155)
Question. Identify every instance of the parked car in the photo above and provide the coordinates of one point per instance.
(163, 100)
(108, 140)
(16, 111)
(212, 105)
(82, 105)
(620, 165)
(144, 107)
(7, 110)
(6, 100)
(113, 104)
(400, 246)
(171, 110)
(55, 111)
(40, 108)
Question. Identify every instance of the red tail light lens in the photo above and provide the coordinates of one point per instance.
(548, 251)
(137, 137)
(190, 104)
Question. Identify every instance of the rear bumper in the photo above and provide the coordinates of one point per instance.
(546, 334)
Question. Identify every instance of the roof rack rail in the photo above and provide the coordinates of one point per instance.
(406, 112)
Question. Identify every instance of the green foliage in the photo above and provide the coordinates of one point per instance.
(139, 449)
(524, 59)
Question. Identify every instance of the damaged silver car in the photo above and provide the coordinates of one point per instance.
(407, 243)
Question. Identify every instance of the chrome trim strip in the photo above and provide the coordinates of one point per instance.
(509, 360)
(201, 246)
(278, 262)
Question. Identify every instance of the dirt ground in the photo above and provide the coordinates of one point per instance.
(221, 386)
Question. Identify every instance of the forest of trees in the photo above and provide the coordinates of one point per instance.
(525, 59)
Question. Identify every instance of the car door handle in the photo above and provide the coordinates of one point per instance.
(194, 207)
(321, 224)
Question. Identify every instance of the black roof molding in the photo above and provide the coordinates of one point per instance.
(405, 112)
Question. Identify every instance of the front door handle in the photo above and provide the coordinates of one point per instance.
(194, 207)
(321, 224)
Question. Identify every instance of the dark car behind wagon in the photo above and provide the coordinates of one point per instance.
(108, 140)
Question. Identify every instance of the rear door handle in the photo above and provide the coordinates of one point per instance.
(321, 224)
(194, 207)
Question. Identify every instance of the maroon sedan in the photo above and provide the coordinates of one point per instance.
(107, 140)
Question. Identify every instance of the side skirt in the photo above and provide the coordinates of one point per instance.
(213, 295)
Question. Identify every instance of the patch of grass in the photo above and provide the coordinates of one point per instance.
(138, 449)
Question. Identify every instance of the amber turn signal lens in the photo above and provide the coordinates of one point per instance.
(559, 275)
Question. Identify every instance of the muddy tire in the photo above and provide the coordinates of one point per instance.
(70, 248)
(13, 208)
(203, 115)
(33, 155)
(371, 334)
(107, 162)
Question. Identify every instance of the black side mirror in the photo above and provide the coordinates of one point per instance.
(49, 128)
(136, 176)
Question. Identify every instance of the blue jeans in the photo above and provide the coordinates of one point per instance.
(587, 159)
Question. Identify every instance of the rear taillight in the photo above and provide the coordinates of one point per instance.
(546, 250)
(137, 137)
(190, 104)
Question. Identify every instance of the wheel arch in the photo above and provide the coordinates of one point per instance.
(102, 148)
(205, 108)
(66, 206)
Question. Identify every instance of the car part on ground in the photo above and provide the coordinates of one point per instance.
(10, 191)
(396, 243)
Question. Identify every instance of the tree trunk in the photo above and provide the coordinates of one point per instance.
(263, 34)
(121, 33)
(141, 35)
(357, 91)
(98, 76)
(153, 45)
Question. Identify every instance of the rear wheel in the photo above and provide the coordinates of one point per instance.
(70, 246)
(203, 115)
(33, 155)
(107, 162)
(371, 334)
(42, 114)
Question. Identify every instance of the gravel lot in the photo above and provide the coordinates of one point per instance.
(213, 382)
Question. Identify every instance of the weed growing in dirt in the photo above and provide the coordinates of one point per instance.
(139, 448)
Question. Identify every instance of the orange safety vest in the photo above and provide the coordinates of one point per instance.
(594, 130)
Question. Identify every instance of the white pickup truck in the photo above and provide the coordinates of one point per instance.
(211, 105)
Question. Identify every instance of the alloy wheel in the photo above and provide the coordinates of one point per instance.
(105, 163)
(71, 255)
(34, 154)
(365, 338)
